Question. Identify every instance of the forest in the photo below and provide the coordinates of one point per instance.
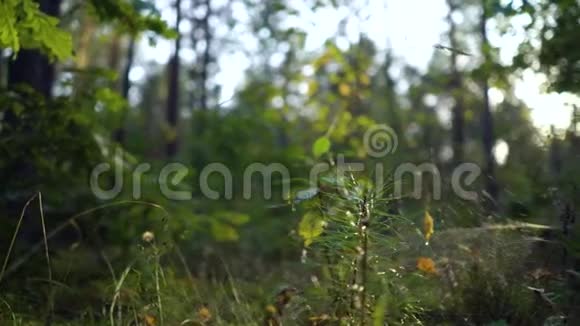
(289, 162)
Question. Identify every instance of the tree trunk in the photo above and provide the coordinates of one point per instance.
(1, 67)
(119, 134)
(206, 56)
(555, 154)
(173, 90)
(86, 34)
(115, 52)
(491, 186)
(458, 120)
(202, 32)
(31, 67)
(393, 118)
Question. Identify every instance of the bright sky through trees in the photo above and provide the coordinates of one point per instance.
(409, 27)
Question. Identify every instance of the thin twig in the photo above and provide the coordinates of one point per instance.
(158, 287)
(47, 255)
(14, 237)
(363, 227)
(24, 258)
(118, 293)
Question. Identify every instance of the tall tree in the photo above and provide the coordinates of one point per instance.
(1, 67)
(392, 114)
(31, 66)
(206, 58)
(173, 89)
(491, 186)
(456, 83)
(202, 34)
(85, 37)
(119, 134)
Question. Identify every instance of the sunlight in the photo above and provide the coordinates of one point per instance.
(501, 151)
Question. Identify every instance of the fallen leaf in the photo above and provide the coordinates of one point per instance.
(204, 314)
(428, 226)
(149, 320)
(426, 265)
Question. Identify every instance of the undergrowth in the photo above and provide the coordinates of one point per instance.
(361, 264)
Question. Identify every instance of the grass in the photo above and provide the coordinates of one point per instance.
(364, 272)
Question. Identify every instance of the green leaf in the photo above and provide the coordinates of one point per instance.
(235, 218)
(321, 146)
(380, 310)
(310, 227)
(111, 100)
(56, 42)
(8, 33)
(133, 16)
(25, 26)
(223, 232)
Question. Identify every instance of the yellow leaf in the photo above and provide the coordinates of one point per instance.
(344, 89)
(426, 265)
(428, 226)
(311, 227)
(271, 309)
(149, 320)
(204, 314)
(319, 320)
